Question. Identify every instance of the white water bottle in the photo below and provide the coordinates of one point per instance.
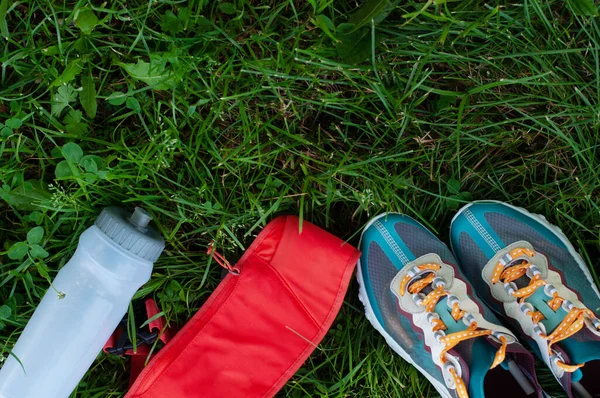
(68, 329)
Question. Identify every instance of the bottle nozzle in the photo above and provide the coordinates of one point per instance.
(140, 218)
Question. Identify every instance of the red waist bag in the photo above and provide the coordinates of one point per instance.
(258, 327)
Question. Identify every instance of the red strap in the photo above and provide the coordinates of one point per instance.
(158, 324)
(138, 358)
(138, 361)
(110, 342)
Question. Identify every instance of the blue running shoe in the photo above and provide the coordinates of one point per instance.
(526, 270)
(418, 299)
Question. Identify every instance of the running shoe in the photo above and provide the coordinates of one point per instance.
(526, 270)
(418, 299)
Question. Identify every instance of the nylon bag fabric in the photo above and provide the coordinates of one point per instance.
(257, 328)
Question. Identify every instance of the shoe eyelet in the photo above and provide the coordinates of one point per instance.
(418, 298)
(468, 319)
(431, 316)
(505, 259)
(567, 305)
(539, 329)
(549, 290)
(438, 335)
(526, 308)
(510, 287)
(414, 271)
(451, 363)
(497, 334)
(532, 271)
(556, 356)
(438, 281)
(451, 300)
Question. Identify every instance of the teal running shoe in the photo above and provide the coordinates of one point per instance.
(526, 270)
(419, 300)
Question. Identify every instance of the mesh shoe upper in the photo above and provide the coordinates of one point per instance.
(387, 246)
(378, 270)
(504, 225)
(483, 230)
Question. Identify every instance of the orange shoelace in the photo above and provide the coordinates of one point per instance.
(452, 339)
(573, 321)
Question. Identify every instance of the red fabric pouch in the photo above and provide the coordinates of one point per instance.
(258, 327)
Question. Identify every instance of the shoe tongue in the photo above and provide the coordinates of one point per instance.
(478, 354)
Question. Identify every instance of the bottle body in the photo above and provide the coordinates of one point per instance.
(68, 330)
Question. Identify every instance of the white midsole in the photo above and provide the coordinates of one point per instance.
(552, 227)
(363, 297)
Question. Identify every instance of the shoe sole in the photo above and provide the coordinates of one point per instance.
(363, 297)
(540, 218)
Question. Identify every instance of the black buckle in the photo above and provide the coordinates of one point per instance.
(142, 335)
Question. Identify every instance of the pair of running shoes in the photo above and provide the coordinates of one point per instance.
(440, 309)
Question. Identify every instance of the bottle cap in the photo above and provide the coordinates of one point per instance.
(131, 231)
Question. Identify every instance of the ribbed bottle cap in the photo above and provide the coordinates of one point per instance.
(131, 231)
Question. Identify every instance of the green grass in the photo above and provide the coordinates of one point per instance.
(258, 116)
